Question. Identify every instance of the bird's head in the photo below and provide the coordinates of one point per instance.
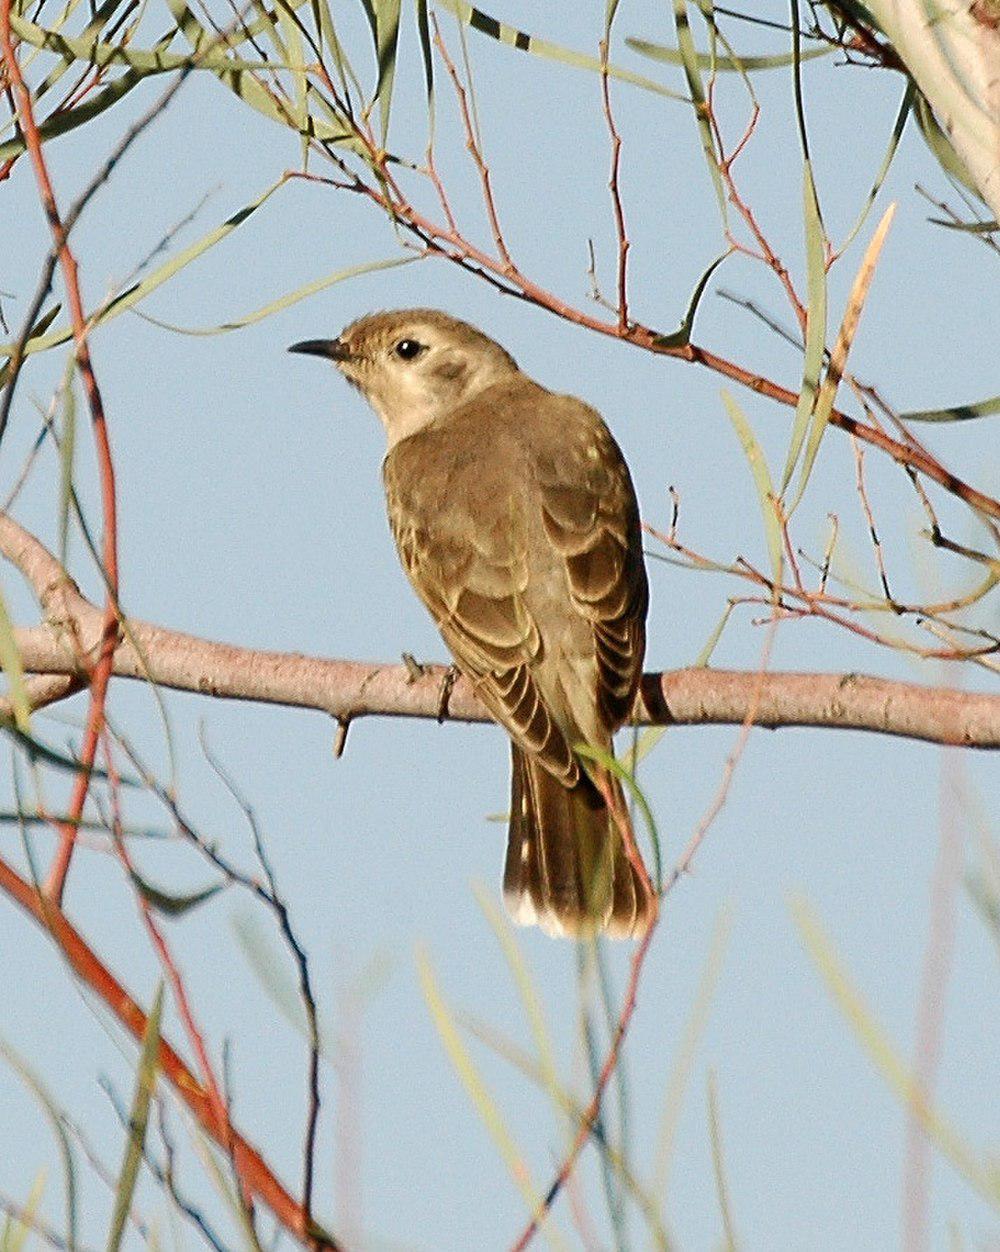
(414, 365)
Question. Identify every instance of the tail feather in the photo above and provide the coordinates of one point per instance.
(567, 869)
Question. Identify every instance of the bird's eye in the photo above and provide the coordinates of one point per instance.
(408, 349)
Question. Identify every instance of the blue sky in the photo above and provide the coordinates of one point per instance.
(251, 512)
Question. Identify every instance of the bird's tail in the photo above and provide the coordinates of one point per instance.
(567, 869)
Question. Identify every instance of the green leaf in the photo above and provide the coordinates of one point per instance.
(682, 335)
(138, 1122)
(765, 489)
(14, 1236)
(514, 38)
(887, 1058)
(611, 763)
(426, 52)
(687, 1051)
(38, 751)
(972, 228)
(812, 364)
(99, 54)
(941, 146)
(10, 663)
(838, 357)
(251, 91)
(707, 62)
(295, 57)
(139, 291)
(959, 413)
(476, 1088)
(905, 108)
(528, 992)
(67, 446)
(172, 905)
(62, 123)
(286, 301)
(718, 1165)
(39, 329)
(711, 643)
(57, 1121)
(692, 72)
(387, 24)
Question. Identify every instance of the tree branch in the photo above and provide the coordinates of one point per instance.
(347, 690)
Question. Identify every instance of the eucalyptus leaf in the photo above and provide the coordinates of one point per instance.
(172, 904)
(708, 63)
(812, 364)
(958, 413)
(476, 19)
(766, 498)
(682, 335)
(138, 1122)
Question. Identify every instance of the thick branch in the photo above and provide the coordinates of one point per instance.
(351, 689)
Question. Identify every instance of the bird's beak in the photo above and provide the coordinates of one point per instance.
(332, 349)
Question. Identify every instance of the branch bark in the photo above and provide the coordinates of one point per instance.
(952, 49)
(346, 690)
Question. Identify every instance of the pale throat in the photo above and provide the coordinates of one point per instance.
(405, 411)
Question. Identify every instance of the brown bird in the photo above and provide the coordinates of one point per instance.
(515, 518)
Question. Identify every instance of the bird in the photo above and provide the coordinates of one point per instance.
(515, 518)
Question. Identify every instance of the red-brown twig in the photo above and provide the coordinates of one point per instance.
(446, 242)
(250, 1165)
(173, 975)
(590, 1114)
(101, 671)
(472, 143)
(615, 189)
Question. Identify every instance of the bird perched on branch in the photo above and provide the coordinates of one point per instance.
(515, 518)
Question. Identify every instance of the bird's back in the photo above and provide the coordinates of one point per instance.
(524, 493)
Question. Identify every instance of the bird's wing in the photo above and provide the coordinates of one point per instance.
(494, 561)
(591, 519)
(472, 576)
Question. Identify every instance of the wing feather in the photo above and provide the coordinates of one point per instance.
(532, 569)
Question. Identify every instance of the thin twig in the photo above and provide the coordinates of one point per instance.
(306, 993)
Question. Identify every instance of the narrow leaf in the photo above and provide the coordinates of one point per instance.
(941, 146)
(67, 447)
(812, 364)
(616, 767)
(514, 38)
(139, 291)
(705, 655)
(427, 54)
(682, 335)
(762, 481)
(887, 1058)
(718, 1164)
(706, 62)
(14, 1237)
(57, 1121)
(973, 228)
(959, 413)
(905, 108)
(10, 663)
(470, 1077)
(692, 72)
(387, 24)
(39, 329)
(285, 301)
(845, 338)
(172, 905)
(138, 1122)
